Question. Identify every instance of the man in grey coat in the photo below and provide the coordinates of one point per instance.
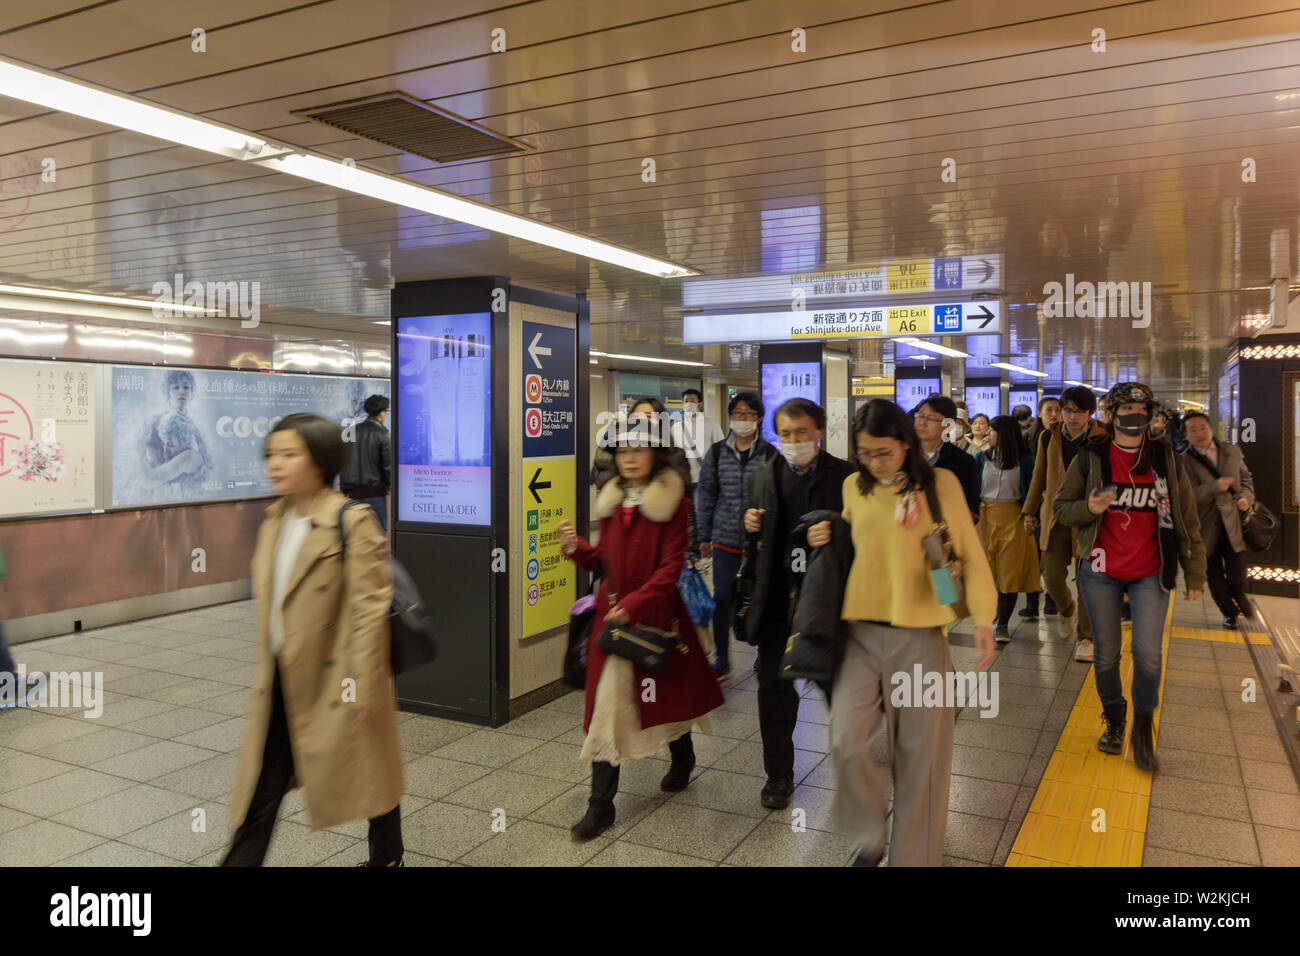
(1221, 501)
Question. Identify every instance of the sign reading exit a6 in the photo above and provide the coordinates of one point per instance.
(904, 321)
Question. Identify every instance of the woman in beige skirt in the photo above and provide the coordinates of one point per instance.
(1005, 471)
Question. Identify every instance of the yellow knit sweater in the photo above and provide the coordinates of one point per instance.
(890, 579)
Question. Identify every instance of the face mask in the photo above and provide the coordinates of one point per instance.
(744, 429)
(799, 453)
(689, 408)
(1134, 423)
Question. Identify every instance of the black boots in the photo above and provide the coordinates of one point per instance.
(1112, 740)
(600, 806)
(679, 774)
(777, 793)
(1144, 744)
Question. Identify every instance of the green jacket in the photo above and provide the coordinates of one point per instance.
(1071, 509)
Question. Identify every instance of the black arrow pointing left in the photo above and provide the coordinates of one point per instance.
(535, 485)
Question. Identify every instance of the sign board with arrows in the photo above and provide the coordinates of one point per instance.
(547, 493)
(847, 321)
(884, 279)
(548, 576)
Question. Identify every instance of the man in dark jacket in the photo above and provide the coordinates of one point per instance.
(930, 418)
(369, 472)
(803, 478)
(720, 501)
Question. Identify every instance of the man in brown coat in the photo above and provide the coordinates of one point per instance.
(1057, 541)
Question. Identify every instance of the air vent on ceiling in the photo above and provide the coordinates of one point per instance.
(404, 123)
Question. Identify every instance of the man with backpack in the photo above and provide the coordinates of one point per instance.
(721, 497)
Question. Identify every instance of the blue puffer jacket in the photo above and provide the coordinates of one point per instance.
(722, 495)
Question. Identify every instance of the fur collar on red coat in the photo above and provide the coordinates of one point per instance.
(660, 502)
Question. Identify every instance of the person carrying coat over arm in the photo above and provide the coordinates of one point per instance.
(1225, 491)
(803, 478)
(324, 713)
(897, 626)
(642, 548)
(1135, 514)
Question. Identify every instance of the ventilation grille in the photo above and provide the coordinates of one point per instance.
(406, 124)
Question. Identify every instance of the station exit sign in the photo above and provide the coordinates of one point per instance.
(851, 321)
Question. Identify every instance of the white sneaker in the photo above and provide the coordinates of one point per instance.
(1083, 651)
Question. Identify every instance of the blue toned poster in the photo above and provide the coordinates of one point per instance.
(444, 430)
(983, 399)
(197, 434)
(786, 380)
(1023, 396)
(910, 392)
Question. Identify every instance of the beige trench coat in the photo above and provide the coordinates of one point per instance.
(335, 628)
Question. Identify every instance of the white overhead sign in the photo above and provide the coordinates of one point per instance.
(887, 278)
(845, 322)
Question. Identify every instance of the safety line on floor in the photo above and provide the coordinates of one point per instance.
(1090, 808)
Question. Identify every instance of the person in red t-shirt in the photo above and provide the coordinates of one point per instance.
(1136, 518)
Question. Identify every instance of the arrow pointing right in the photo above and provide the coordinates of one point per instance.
(987, 316)
(988, 271)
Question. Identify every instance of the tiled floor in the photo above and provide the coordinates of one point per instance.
(147, 783)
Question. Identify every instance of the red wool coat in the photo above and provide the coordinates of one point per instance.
(642, 563)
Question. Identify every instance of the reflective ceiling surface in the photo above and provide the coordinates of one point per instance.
(1123, 163)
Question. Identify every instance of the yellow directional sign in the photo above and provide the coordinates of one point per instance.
(548, 579)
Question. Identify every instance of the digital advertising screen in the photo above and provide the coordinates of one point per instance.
(910, 392)
(1023, 396)
(198, 434)
(444, 427)
(983, 399)
(783, 381)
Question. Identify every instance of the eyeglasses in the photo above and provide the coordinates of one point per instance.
(746, 417)
(921, 416)
(866, 457)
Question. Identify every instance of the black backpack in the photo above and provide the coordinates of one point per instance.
(408, 620)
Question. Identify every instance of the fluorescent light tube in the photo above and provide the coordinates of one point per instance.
(45, 88)
(1017, 368)
(646, 358)
(931, 347)
(151, 304)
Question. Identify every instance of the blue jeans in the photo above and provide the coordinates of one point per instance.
(1103, 596)
(380, 507)
(725, 566)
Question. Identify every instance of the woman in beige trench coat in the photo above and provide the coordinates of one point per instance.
(323, 712)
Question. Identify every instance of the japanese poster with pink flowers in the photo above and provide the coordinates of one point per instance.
(47, 437)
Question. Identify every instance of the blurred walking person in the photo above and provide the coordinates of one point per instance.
(323, 716)
(369, 472)
(1005, 471)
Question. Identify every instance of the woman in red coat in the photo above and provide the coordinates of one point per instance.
(631, 712)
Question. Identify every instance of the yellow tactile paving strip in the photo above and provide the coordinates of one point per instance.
(1062, 826)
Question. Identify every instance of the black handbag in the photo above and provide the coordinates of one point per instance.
(581, 613)
(1258, 524)
(646, 647)
(742, 592)
(409, 625)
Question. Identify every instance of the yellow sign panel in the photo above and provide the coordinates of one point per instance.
(885, 388)
(908, 320)
(548, 579)
(908, 275)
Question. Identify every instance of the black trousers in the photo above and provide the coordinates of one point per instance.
(604, 775)
(1007, 604)
(1225, 572)
(248, 846)
(778, 704)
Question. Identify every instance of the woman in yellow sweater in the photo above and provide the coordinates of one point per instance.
(897, 626)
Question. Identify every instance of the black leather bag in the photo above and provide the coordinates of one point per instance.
(1258, 524)
(742, 592)
(409, 625)
(646, 647)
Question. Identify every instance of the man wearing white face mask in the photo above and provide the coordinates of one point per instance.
(696, 433)
(801, 479)
(720, 501)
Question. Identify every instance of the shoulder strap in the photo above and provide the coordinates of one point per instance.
(936, 515)
(1204, 462)
(343, 537)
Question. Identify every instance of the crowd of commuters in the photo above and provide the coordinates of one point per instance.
(945, 516)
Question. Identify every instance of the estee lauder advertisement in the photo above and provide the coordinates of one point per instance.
(444, 401)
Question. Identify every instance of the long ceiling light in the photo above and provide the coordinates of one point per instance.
(1070, 381)
(22, 290)
(646, 358)
(1017, 368)
(931, 347)
(22, 82)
